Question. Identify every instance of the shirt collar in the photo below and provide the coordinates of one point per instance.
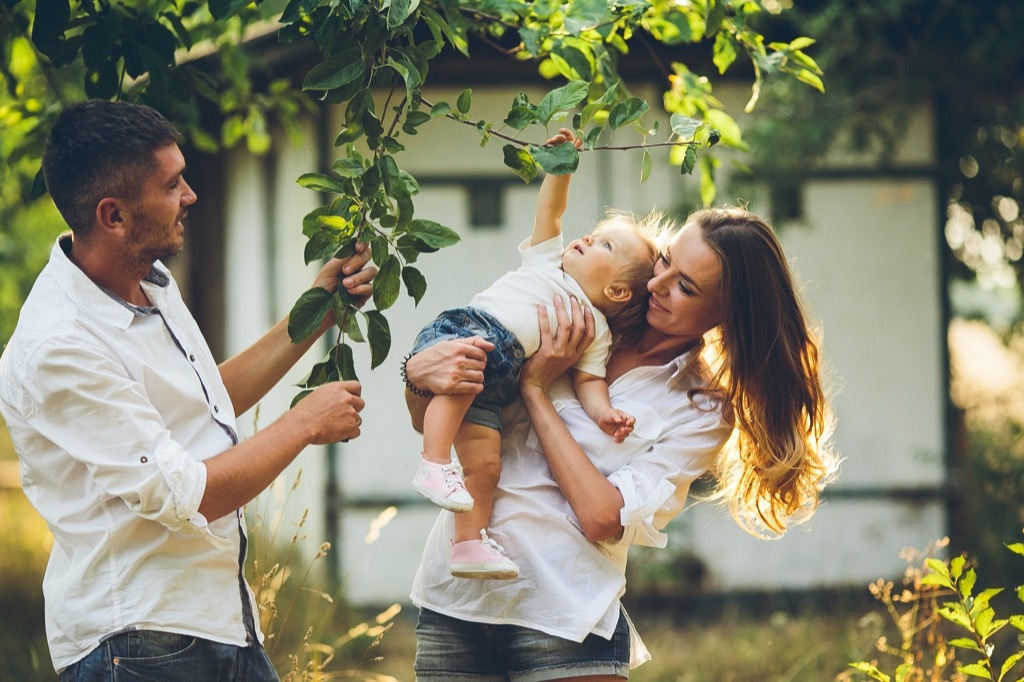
(90, 296)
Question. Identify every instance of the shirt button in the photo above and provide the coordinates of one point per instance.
(216, 409)
(191, 357)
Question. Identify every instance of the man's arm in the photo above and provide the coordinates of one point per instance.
(236, 476)
(249, 375)
(553, 196)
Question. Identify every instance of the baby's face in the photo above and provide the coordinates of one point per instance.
(596, 260)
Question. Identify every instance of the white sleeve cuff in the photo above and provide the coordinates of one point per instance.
(638, 510)
(186, 479)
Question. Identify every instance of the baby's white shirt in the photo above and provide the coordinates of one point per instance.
(513, 300)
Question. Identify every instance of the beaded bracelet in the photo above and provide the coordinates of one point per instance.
(409, 385)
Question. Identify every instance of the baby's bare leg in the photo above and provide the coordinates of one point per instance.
(441, 422)
(479, 449)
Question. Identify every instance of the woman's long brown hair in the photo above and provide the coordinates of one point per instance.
(771, 472)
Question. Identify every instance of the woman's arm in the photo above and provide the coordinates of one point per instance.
(595, 501)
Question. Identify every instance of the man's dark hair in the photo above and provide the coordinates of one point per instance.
(98, 149)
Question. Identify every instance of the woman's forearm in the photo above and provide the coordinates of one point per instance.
(595, 501)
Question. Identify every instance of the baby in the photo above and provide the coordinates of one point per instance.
(608, 271)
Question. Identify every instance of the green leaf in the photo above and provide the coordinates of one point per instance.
(1017, 548)
(606, 99)
(684, 126)
(398, 12)
(626, 112)
(336, 71)
(520, 161)
(225, 9)
(347, 318)
(415, 283)
(966, 584)
(870, 670)
(689, 160)
(341, 355)
(586, 14)
(520, 117)
(1009, 663)
(308, 313)
(348, 167)
(50, 20)
(321, 182)
(433, 234)
(379, 334)
(321, 244)
(386, 285)
(965, 643)
(562, 159)
(645, 167)
(976, 670)
(955, 613)
(724, 51)
(561, 99)
(465, 101)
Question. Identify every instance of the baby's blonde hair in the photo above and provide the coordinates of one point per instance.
(628, 319)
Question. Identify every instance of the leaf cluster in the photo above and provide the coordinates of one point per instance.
(946, 590)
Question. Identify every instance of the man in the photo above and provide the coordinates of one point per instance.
(125, 425)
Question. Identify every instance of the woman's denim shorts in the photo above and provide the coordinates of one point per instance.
(453, 650)
(501, 375)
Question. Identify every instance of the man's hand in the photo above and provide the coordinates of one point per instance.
(450, 367)
(353, 273)
(331, 412)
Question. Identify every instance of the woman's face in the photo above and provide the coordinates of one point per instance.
(685, 289)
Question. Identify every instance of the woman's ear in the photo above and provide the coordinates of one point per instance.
(618, 293)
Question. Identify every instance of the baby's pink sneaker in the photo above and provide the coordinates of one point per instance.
(442, 484)
(483, 558)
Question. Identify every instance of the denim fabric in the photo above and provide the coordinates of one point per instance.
(167, 657)
(453, 650)
(501, 376)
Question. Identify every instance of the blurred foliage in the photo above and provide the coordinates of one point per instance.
(883, 60)
(24, 549)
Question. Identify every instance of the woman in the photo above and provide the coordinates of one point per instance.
(571, 501)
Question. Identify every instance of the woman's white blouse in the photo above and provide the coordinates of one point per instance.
(569, 586)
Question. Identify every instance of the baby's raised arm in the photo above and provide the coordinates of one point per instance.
(553, 196)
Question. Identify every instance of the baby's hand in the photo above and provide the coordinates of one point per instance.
(564, 135)
(616, 423)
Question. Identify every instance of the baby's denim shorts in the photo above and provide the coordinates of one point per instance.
(501, 376)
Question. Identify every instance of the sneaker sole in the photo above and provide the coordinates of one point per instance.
(442, 502)
(484, 573)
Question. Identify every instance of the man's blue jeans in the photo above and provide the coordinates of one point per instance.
(167, 657)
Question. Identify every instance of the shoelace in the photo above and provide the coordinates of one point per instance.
(451, 478)
(489, 541)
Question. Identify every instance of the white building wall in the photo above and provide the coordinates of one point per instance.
(866, 255)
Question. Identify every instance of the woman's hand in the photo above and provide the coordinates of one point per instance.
(559, 350)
